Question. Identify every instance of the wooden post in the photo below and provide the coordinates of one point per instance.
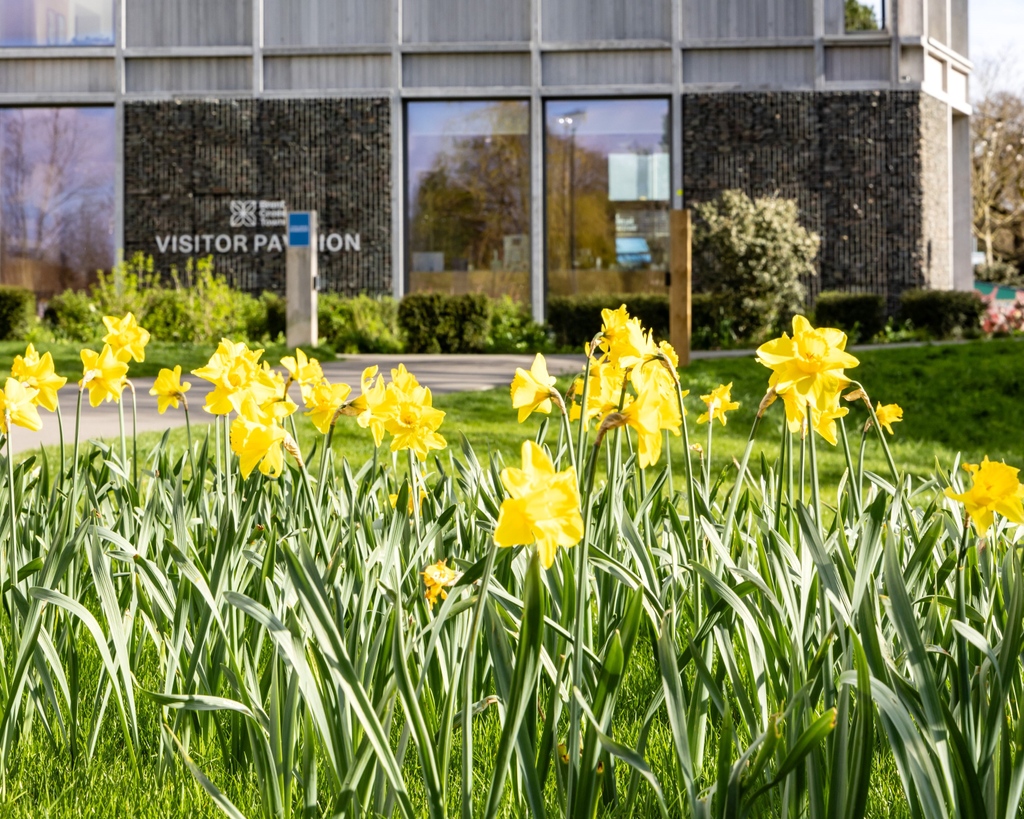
(681, 268)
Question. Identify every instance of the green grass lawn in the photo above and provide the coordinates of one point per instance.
(965, 398)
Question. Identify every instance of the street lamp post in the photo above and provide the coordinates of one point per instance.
(571, 122)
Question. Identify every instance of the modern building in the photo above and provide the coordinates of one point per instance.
(521, 147)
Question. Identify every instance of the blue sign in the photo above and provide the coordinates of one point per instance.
(298, 229)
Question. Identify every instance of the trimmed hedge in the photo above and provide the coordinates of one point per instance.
(361, 324)
(943, 313)
(859, 315)
(440, 323)
(17, 307)
(572, 318)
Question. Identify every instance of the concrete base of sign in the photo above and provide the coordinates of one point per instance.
(300, 291)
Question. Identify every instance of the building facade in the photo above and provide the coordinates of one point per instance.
(514, 147)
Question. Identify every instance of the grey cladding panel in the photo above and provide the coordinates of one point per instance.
(326, 72)
(189, 22)
(853, 64)
(477, 70)
(607, 68)
(52, 76)
(477, 21)
(326, 22)
(172, 75)
(584, 20)
(767, 67)
(735, 19)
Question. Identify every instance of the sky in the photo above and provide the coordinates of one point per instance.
(997, 29)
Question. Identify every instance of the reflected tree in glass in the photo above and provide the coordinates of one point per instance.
(56, 196)
(469, 192)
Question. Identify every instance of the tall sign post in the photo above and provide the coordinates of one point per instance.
(301, 280)
(681, 273)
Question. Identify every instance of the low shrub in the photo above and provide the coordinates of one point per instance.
(943, 313)
(274, 315)
(362, 324)
(574, 317)
(860, 315)
(1002, 273)
(17, 309)
(513, 329)
(753, 254)
(569, 316)
(73, 316)
(441, 323)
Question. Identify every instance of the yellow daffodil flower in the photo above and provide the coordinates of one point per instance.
(994, 488)
(654, 377)
(169, 389)
(324, 402)
(18, 403)
(103, 375)
(403, 379)
(888, 414)
(604, 394)
(126, 338)
(531, 389)
(37, 372)
(258, 439)
(807, 369)
(824, 422)
(412, 420)
(623, 338)
(543, 507)
(719, 402)
(644, 416)
(306, 372)
(236, 374)
(437, 577)
(371, 404)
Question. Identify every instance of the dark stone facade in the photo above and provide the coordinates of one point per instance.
(186, 161)
(852, 160)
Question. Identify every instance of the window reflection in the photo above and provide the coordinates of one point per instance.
(56, 22)
(608, 180)
(469, 197)
(864, 15)
(56, 196)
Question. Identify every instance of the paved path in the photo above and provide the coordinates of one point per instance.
(442, 373)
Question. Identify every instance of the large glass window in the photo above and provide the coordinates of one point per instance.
(56, 196)
(56, 22)
(608, 194)
(469, 197)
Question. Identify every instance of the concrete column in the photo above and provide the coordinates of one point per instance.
(301, 274)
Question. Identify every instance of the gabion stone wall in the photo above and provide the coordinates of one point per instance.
(853, 161)
(208, 177)
(935, 183)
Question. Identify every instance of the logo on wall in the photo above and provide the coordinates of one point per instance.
(253, 213)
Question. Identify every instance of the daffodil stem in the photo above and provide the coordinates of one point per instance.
(690, 483)
(815, 490)
(469, 671)
(320, 485)
(12, 556)
(881, 437)
(803, 462)
(580, 630)
(60, 432)
(188, 438)
(314, 511)
(414, 492)
(124, 444)
(854, 488)
(135, 437)
(582, 432)
(567, 428)
(734, 501)
(707, 457)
